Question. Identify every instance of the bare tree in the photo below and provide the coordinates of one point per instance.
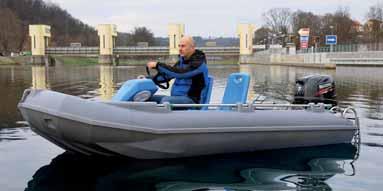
(340, 24)
(373, 27)
(123, 39)
(10, 31)
(141, 34)
(65, 28)
(375, 12)
(261, 35)
(278, 19)
(301, 19)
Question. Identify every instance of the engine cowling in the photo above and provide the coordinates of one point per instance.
(315, 89)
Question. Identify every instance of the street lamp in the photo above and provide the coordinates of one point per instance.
(266, 43)
(283, 40)
(332, 33)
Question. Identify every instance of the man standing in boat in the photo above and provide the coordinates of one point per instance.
(190, 73)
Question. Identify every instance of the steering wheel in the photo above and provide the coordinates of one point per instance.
(157, 79)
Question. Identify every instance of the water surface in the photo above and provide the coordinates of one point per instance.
(29, 162)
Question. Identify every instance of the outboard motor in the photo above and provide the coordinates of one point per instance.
(315, 89)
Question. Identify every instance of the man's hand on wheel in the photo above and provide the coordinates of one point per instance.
(151, 65)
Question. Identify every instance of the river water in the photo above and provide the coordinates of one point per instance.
(28, 162)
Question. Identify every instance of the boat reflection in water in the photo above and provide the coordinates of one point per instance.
(285, 169)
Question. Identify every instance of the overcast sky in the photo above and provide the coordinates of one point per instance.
(206, 18)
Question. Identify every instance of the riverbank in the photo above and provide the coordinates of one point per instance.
(317, 60)
(6, 61)
(323, 66)
(76, 60)
(14, 60)
(80, 60)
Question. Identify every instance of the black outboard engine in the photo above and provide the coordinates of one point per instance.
(315, 89)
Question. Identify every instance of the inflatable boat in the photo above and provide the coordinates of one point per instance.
(131, 125)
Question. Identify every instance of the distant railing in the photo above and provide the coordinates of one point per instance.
(141, 50)
(344, 48)
(220, 50)
(72, 51)
(136, 50)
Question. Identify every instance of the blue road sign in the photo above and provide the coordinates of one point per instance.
(304, 38)
(331, 40)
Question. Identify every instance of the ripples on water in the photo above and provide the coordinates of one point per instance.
(14, 134)
(267, 170)
(23, 153)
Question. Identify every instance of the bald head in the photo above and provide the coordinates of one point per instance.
(186, 46)
(188, 40)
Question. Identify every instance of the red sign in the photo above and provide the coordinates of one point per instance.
(304, 32)
(304, 42)
(304, 45)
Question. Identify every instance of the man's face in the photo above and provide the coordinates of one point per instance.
(186, 48)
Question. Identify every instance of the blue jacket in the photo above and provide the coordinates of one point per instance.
(191, 75)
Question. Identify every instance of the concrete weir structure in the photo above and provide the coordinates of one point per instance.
(327, 60)
(245, 33)
(40, 35)
(175, 33)
(107, 51)
(108, 35)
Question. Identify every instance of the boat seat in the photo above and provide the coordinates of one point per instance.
(138, 90)
(206, 92)
(236, 89)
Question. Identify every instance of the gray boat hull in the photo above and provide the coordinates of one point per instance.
(145, 131)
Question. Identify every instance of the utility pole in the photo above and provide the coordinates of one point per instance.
(332, 33)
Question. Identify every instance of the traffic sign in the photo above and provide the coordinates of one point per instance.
(304, 38)
(304, 45)
(304, 32)
(304, 41)
(331, 39)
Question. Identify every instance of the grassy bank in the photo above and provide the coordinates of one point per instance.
(6, 61)
(125, 62)
(77, 60)
(128, 62)
(223, 62)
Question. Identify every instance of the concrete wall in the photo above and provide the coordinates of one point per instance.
(317, 59)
